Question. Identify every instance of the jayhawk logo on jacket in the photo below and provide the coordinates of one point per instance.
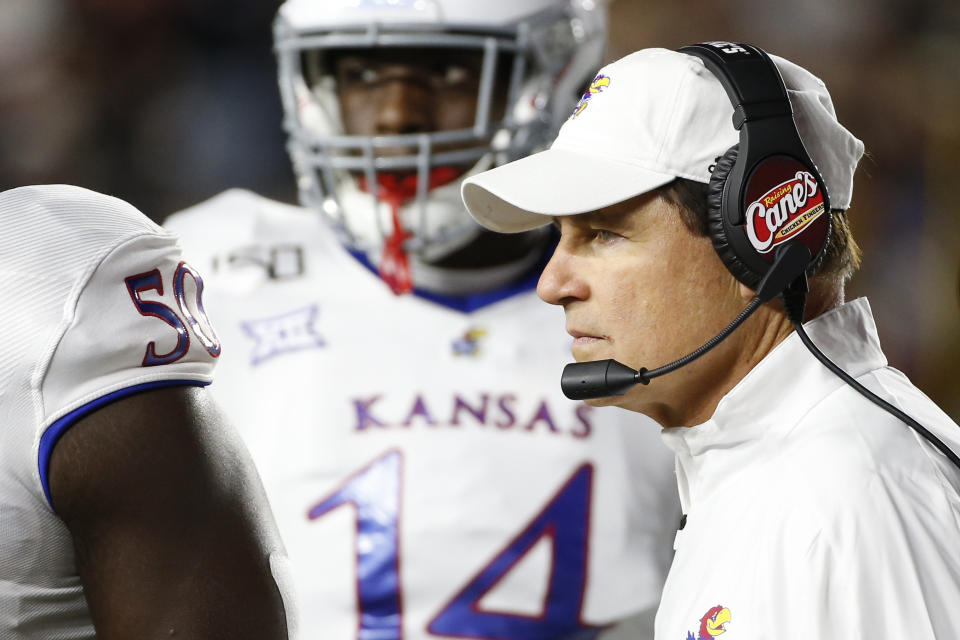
(711, 624)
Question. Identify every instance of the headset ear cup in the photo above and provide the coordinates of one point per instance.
(718, 232)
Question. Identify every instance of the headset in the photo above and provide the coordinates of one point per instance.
(765, 191)
(768, 215)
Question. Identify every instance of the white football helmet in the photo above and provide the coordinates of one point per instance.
(553, 47)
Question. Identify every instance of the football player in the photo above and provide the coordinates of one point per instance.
(127, 508)
(428, 476)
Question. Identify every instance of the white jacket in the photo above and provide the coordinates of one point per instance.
(811, 512)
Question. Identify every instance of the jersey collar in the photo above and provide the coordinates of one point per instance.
(470, 302)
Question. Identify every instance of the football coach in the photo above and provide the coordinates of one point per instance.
(702, 194)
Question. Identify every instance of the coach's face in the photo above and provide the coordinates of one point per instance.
(639, 287)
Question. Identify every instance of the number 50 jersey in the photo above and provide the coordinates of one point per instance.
(97, 304)
(427, 475)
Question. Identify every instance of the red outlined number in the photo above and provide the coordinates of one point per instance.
(374, 493)
(564, 521)
(153, 281)
(198, 321)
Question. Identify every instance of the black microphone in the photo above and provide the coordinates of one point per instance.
(606, 378)
(599, 379)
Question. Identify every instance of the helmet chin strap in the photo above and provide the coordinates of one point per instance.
(395, 191)
(394, 266)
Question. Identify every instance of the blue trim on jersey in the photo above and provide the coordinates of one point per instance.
(58, 428)
(469, 302)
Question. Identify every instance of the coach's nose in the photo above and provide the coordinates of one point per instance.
(560, 283)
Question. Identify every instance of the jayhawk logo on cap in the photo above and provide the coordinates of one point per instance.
(712, 623)
(599, 83)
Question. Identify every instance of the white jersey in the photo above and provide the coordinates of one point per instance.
(98, 305)
(427, 475)
(811, 512)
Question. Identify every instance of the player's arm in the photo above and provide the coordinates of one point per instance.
(173, 535)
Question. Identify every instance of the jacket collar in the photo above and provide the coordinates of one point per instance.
(775, 395)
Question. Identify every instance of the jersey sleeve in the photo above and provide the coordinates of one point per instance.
(136, 323)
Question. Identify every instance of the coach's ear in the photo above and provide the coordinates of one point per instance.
(746, 292)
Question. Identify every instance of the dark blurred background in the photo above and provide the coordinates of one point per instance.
(167, 103)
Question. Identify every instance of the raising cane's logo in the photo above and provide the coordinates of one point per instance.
(784, 211)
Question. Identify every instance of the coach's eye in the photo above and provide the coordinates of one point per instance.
(605, 236)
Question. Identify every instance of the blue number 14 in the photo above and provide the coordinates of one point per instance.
(565, 521)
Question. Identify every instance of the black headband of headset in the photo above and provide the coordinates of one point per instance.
(770, 153)
(749, 77)
(759, 98)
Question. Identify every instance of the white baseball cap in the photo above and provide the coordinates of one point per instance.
(646, 119)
